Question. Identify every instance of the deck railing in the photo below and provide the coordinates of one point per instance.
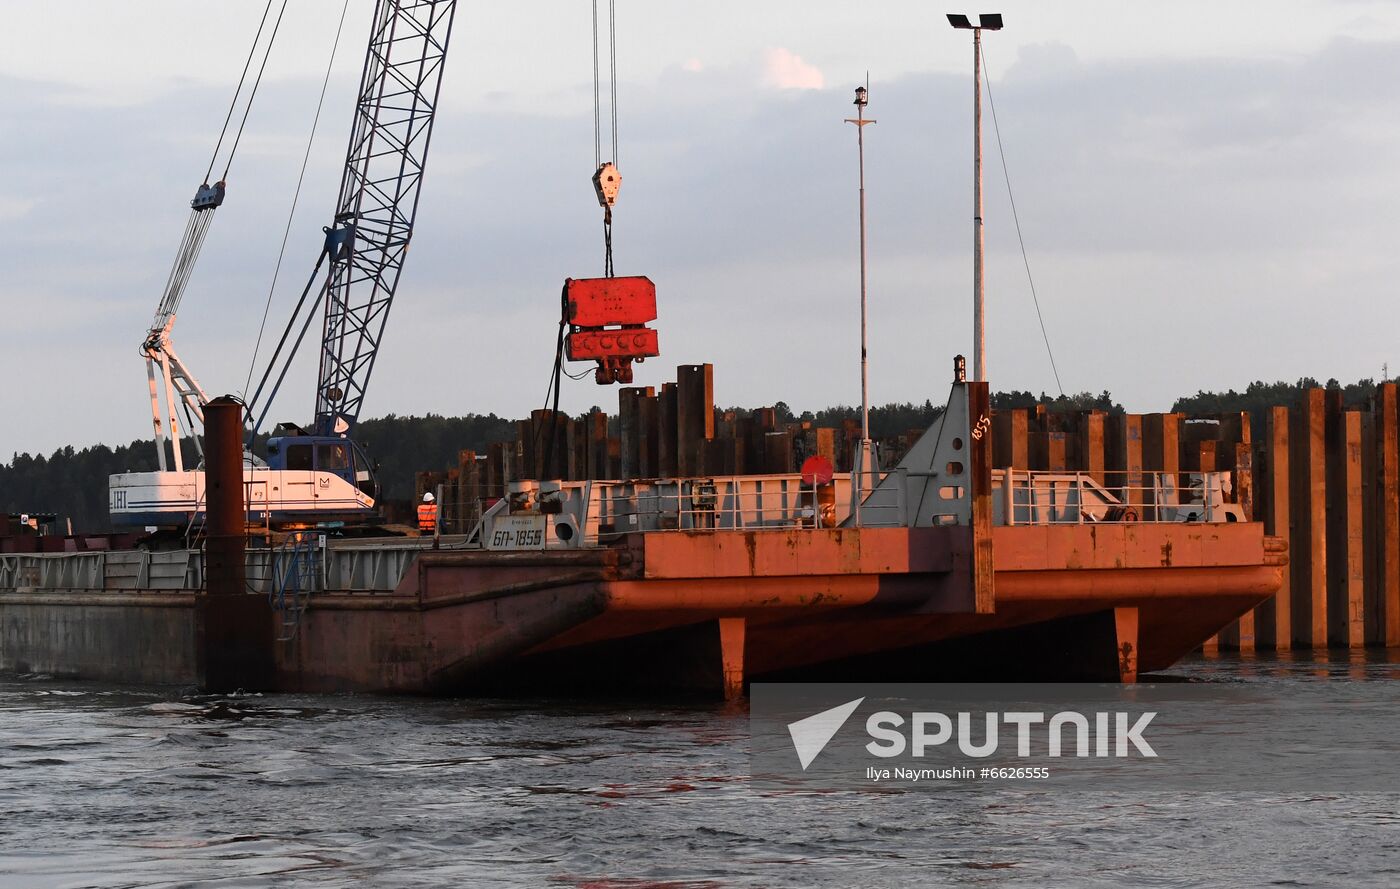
(1039, 498)
(351, 566)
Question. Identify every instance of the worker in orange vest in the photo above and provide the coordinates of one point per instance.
(427, 515)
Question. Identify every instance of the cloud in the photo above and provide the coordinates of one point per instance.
(12, 208)
(784, 69)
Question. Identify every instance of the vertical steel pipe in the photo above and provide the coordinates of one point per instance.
(225, 540)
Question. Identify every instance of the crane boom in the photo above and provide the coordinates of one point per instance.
(379, 194)
(163, 366)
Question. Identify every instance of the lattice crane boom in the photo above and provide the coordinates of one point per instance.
(379, 195)
(165, 372)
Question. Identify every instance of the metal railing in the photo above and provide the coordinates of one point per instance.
(1023, 497)
(884, 497)
(102, 570)
(349, 566)
(76, 571)
(591, 513)
(717, 503)
(297, 573)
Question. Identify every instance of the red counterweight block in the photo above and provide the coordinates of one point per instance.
(608, 318)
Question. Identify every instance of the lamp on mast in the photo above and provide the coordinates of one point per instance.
(864, 462)
(987, 22)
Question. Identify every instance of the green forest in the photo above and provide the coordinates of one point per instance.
(1259, 395)
(72, 483)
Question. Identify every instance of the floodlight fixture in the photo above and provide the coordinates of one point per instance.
(988, 21)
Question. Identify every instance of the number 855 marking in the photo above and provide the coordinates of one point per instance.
(981, 427)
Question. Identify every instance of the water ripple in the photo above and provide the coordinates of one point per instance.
(112, 787)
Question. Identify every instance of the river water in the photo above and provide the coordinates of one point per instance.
(104, 786)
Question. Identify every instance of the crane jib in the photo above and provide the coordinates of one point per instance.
(379, 193)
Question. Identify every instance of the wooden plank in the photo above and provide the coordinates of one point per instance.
(1092, 457)
(1384, 607)
(1161, 452)
(1307, 545)
(1345, 559)
(1011, 439)
(1125, 458)
(1273, 624)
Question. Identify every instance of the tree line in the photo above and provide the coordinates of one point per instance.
(1260, 395)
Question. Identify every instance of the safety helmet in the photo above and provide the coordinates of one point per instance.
(428, 497)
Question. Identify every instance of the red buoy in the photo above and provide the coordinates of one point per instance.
(817, 471)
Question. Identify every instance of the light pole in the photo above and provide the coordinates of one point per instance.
(863, 462)
(987, 22)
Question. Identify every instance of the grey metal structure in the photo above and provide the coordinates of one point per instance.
(164, 368)
(379, 195)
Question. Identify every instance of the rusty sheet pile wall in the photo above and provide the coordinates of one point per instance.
(674, 432)
(1324, 477)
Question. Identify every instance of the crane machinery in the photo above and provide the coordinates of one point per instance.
(318, 476)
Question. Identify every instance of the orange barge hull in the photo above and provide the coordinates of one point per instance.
(709, 611)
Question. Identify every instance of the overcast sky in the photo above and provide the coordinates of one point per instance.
(1208, 194)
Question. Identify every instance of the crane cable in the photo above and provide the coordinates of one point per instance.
(233, 103)
(296, 196)
(598, 118)
(208, 200)
(996, 128)
(252, 94)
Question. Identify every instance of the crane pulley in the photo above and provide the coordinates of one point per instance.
(606, 182)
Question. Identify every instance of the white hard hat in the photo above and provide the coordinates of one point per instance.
(428, 497)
